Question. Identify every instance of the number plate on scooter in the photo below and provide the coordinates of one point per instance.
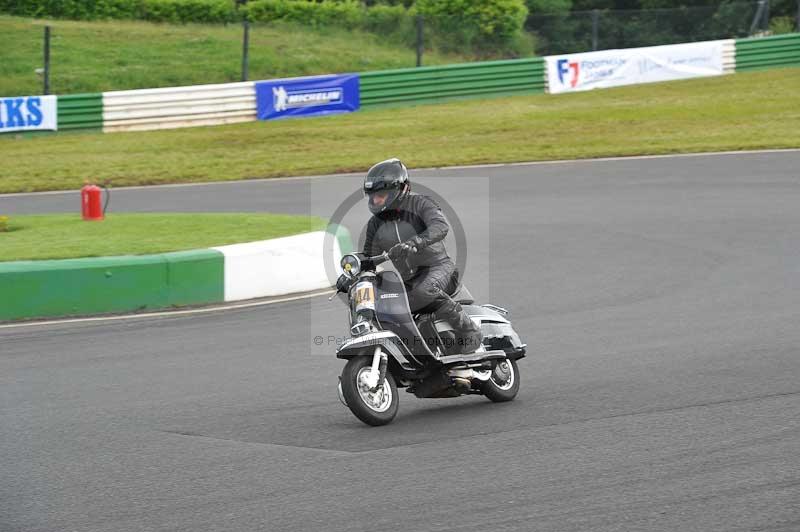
(364, 296)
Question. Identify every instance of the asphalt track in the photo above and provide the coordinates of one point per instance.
(660, 299)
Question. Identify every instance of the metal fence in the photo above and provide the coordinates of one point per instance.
(559, 33)
(279, 48)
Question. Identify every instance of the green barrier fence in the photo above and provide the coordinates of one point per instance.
(30, 289)
(80, 111)
(768, 52)
(432, 84)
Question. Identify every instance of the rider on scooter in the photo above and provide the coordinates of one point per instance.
(411, 228)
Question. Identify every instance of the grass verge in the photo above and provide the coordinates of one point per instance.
(743, 111)
(66, 236)
(116, 55)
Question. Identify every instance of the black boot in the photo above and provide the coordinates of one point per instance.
(468, 333)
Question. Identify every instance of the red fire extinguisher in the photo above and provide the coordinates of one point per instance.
(91, 203)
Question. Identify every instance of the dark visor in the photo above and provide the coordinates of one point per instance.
(391, 195)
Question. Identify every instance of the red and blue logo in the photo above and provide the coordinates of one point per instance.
(564, 67)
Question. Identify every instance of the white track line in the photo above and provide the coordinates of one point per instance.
(417, 170)
(167, 313)
(621, 158)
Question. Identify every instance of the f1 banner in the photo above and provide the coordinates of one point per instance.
(311, 96)
(27, 113)
(611, 68)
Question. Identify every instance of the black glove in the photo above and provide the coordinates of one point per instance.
(343, 283)
(404, 249)
(418, 243)
(401, 251)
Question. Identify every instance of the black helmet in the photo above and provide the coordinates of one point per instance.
(387, 176)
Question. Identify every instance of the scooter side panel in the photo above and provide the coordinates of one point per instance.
(394, 314)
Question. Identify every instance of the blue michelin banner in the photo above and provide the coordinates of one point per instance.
(311, 96)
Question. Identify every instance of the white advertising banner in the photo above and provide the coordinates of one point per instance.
(26, 113)
(612, 68)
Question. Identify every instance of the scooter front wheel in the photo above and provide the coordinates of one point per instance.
(372, 407)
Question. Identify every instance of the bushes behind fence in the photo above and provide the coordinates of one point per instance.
(481, 27)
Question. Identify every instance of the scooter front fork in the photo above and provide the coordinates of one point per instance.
(378, 372)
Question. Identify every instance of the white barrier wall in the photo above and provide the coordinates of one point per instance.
(729, 56)
(174, 107)
(278, 267)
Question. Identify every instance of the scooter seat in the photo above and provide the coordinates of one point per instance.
(461, 296)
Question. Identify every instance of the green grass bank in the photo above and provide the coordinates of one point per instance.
(118, 55)
(736, 112)
(67, 236)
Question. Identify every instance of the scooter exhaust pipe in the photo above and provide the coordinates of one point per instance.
(462, 385)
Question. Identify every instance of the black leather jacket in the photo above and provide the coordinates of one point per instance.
(417, 216)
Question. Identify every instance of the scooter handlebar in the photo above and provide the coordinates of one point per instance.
(379, 259)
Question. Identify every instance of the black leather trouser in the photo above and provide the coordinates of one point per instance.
(429, 291)
(430, 287)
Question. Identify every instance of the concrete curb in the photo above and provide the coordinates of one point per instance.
(282, 265)
(79, 287)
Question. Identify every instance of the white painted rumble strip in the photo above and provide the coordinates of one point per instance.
(620, 158)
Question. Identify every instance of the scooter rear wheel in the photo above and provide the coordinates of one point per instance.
(503, 384)
(373, 408)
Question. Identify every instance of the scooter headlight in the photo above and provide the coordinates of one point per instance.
(351, 265)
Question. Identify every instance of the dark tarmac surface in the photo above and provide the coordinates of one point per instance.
(660, 299)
